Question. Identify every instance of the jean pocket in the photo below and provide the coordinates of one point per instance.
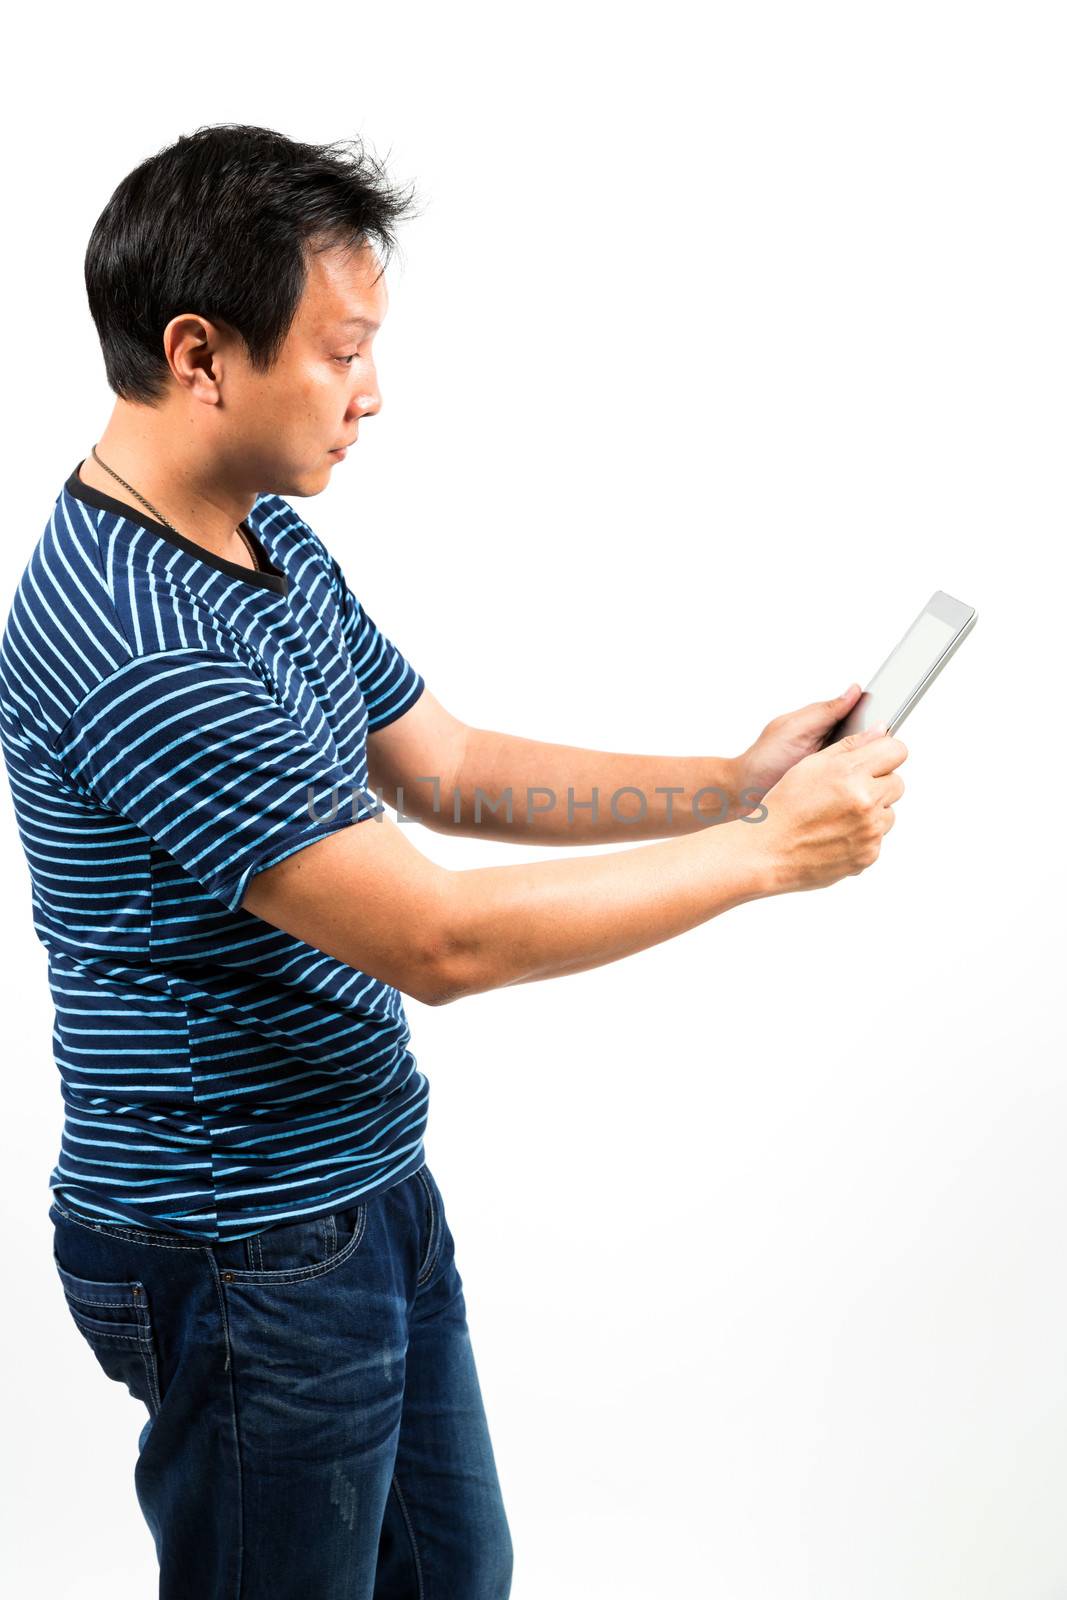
(293, 1251)
(434, 1224)
(115, 1320)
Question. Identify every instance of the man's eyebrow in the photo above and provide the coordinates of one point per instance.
(364, 322)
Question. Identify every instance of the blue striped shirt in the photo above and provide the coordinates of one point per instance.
(171, 724)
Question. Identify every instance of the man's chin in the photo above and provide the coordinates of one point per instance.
(308, 482)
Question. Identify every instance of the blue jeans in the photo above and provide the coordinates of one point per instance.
(315, 1426)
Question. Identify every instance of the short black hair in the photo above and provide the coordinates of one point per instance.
(220, 223)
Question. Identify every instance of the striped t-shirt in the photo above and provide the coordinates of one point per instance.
(171, 724)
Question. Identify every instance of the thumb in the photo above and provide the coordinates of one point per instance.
(852, 741)
(841, 703)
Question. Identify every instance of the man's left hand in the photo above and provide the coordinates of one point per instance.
(789, 738)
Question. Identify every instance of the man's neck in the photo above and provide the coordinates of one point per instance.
(199, 512)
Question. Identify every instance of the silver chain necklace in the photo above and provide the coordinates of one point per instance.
(159, 515)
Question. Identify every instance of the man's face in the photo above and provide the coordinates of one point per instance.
(289, 420)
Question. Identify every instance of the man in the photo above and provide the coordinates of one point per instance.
(196, 714)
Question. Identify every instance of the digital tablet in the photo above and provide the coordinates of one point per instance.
(906, 674)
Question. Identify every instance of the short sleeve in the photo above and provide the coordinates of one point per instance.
(195, 749)
(389, 683)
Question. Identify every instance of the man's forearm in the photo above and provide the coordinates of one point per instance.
(526, 791)
(518, 924)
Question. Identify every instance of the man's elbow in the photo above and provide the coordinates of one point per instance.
(437, 989)
(450, 968)
(443, 977)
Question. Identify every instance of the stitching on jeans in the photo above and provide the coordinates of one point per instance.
(98, 1333)
(137, 1235)
(241, 1275)
(144, 1337)
(254, 1246)
(301, 1274)
(411, 1535)
(148, 1356)
(112, 1305)
(431, 1247)
(152, 1372)
(149, 1351)
(213, 1267)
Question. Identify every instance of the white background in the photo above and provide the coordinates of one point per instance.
(726, 336)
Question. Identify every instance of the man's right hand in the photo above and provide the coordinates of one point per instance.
(827, 816)
(367, 896)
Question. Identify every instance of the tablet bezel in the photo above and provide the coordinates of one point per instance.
(946, 608)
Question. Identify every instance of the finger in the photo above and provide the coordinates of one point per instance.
(841, 703)
(881, 755)
(891, 788)
(833, 710)
(854, 741)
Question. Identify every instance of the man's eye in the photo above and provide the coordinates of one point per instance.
(347, 360)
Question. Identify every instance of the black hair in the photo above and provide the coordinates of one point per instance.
(220, 223)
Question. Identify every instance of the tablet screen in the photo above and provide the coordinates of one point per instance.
(893, 684)
(902, 679)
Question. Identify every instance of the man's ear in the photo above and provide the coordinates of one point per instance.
(196, 352)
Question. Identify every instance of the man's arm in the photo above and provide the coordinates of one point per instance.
(457, 779)
(368, 897)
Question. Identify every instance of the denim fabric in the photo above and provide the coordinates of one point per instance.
(315, 1425)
